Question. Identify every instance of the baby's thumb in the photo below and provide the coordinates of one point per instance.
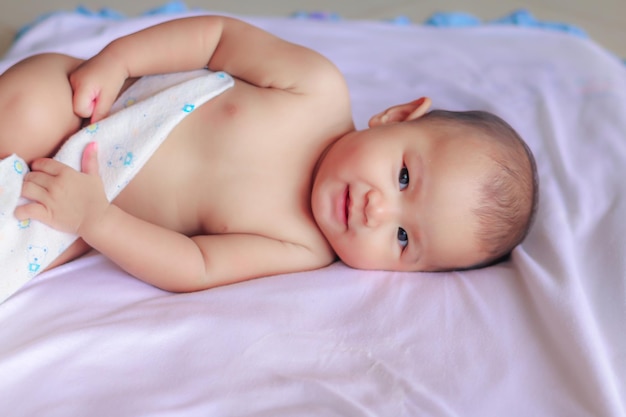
(89, 162)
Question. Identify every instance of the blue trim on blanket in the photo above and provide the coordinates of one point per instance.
(442, 19)
(456, 19)
(517, 18)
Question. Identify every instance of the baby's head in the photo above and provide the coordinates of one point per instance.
(426, 191)
(508, 191)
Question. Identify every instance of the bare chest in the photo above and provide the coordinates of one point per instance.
(241, 163)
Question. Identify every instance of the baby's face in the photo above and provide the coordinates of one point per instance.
(397, 197)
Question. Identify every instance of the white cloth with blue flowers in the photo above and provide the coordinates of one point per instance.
(141, 118)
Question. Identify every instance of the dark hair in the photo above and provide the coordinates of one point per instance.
(510, 194)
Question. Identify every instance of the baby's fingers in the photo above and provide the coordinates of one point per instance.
(41, 185)
(33, 211)
(36, 186)
(95, 106)
(102, 106)
(47, 165)
(92, 101)
(84, 101)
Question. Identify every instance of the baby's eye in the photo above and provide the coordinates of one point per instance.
(403, 238)
(403, 178)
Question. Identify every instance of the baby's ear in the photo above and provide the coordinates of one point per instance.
(401, 112)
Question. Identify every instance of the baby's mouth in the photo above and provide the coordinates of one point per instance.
(347, 208)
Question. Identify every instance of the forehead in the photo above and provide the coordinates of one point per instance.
(454, 170)
(449, 224)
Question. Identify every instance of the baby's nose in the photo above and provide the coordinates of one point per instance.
(378, 209)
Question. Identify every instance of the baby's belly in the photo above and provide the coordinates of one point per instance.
(154, 209)
(160, 193)
(166, 190)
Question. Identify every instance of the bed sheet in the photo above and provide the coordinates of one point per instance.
(541, 334)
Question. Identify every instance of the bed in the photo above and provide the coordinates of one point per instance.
(542, 334)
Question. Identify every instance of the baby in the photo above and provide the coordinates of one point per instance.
(270, 176)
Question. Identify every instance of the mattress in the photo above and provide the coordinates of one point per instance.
(541, 334)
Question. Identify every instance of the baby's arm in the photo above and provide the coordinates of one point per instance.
(221, 43)
(75, 202)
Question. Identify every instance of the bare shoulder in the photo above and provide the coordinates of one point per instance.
(268, 61)
(324, 88)
(321, 73)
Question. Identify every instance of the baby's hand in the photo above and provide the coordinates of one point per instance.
(62, 197)
(96, 84)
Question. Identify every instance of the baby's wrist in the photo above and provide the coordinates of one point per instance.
(113, 58)
(95, 225)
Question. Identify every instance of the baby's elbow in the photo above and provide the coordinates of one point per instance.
(186, 283)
